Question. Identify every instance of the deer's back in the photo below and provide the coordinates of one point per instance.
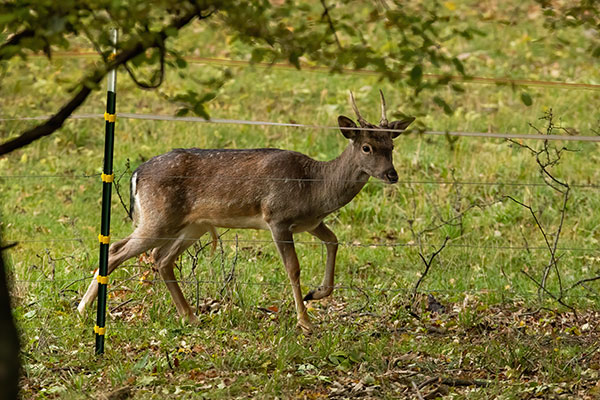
(230, 188)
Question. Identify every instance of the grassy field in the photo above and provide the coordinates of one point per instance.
(496, 336)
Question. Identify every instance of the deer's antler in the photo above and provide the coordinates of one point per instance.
(384, 122)
(363, 123)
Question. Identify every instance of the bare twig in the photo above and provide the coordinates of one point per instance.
(439, 221)
(563, 212)
(419, 395)
(331, 25)
(575, 360)
(582, 281)
(458, 216)
(168, 360)
(230, 277)
(428, 266)
(556, 298)
(525, 241)
(539, 285)
(546, 240)
(72, 283)
(454, 382)
(195, 260)
(115, 308)
(117, 183)
(367, 297)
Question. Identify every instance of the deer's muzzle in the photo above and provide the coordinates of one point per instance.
(391, 175)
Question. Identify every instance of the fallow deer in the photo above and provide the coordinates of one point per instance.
(180, 195)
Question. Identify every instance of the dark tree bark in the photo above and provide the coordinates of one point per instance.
(9, 342)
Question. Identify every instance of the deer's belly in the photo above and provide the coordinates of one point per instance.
(242, 222)
(257, 221)
(304, 225)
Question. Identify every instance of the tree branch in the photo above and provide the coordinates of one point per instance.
(51, 125)
(331, 26)
(157, 76)
(8, 246)
(15, 40)
(90, 82)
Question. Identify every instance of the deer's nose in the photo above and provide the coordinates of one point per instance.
(392, 175)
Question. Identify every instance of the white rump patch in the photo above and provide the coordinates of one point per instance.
(136, 199)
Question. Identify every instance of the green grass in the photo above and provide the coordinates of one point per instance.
(365, 339)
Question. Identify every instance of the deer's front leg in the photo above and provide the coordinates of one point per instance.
(328, 237)
(285, 245)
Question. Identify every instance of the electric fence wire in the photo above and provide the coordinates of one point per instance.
(117, 283)
(354, 243)
(348, 71)
(156, 117)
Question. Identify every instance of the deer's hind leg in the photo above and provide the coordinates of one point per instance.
(165, 257)
(119, 252)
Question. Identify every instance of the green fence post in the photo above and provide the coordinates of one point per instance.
(107, 179)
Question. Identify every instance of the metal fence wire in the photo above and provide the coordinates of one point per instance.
(157, 117)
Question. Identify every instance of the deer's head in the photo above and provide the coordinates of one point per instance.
(372, 150)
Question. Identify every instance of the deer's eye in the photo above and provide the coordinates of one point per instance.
(366, 149)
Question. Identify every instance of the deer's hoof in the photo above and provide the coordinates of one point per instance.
(318, 294)
(310, 295)
(191, 318)
(305, 325)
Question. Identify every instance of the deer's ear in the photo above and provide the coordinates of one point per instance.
(400, 126)
(345, 122)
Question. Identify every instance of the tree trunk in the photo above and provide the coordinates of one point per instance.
(9, 342)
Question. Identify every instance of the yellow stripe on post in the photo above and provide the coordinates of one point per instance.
(108, 178)
(110, 117)
(99, 331)
(102, 279)
(104, 239)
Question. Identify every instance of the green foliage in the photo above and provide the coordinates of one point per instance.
(49, 25)
(442, 103)
(526, 99)
(573, 14)
(397, 42)
(193, 101)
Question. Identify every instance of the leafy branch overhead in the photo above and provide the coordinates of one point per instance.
(397, 41)
(132, 46)
(571, 14)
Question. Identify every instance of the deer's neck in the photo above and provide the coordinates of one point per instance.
(342, 180)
